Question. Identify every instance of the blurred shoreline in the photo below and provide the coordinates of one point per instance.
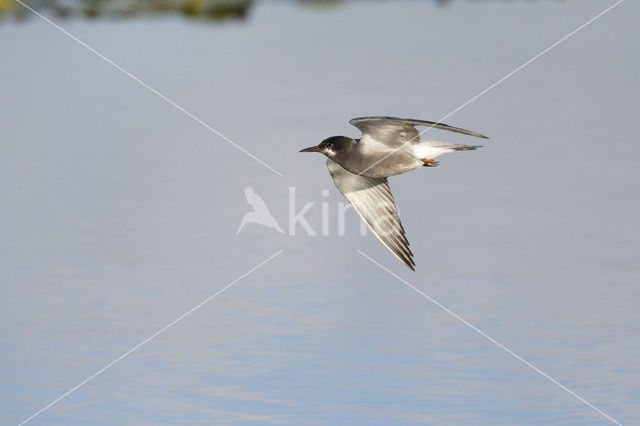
(206, 10)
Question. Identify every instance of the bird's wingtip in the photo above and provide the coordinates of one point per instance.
(478, 135)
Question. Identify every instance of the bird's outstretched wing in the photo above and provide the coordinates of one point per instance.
(372, 200)
(394, 131)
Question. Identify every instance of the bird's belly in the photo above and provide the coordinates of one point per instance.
(386, 164)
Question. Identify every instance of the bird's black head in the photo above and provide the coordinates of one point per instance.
(332, 147)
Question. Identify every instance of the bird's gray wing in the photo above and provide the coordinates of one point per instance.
(395, 132)
(372, 200)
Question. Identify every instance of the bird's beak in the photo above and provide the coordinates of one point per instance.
(312, 149)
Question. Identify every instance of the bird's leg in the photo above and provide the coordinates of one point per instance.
(428, 162)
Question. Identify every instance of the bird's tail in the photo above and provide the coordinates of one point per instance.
(455, 146)
(432, 149)
(447, 147)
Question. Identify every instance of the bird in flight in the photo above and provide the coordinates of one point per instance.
(360, 167)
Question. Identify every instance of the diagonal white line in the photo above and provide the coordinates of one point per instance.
(163, 329)
(145, 85)
(492, 340)
(599, 15)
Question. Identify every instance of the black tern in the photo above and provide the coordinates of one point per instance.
(360, 167)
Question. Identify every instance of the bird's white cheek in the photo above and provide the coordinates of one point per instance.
(329, 152)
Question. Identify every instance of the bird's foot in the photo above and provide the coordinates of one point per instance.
(428, 162)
